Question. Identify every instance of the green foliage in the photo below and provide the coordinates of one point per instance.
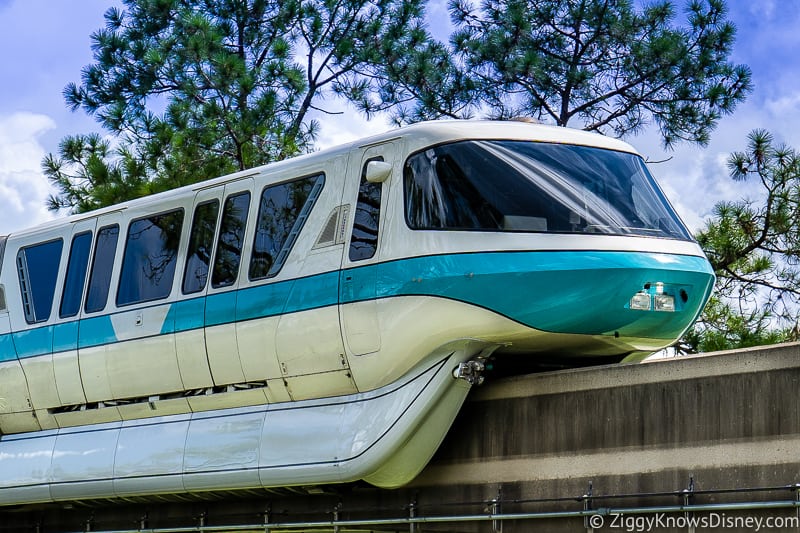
(726, 325)
(90, 176)
(603, 65)
(192, 89)
(418, 80)
(754, 248)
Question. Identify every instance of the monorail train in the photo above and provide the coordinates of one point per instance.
(321, 320)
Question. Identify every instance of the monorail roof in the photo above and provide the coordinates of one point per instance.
(416, 136)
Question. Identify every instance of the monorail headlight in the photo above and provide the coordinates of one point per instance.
(641, 301)
(664, 302)
(653, 297)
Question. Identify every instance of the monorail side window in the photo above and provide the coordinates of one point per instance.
(76, 274)
(230, 240)
(364, 239)
(282, 213)
(151, 254)
(102, 265)
(201, 240)
(37, 267)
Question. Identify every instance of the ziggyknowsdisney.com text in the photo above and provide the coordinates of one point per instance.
(715, 521)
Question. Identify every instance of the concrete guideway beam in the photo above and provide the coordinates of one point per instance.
(725, 411)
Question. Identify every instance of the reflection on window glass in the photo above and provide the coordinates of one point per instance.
(76, 274)
(231, 238)
(533, 186)
(364, 240)
(200, 242)
(38, 270)
(281, 215)
(151, 252)
(102, 265)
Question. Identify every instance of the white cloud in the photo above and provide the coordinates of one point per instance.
(696, 180)
(762, 9)
(23, 187)
(349, 125)
(782, 116)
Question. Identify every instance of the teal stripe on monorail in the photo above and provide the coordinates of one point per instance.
(220, 308)
(246, 304)
(65, 337)
(96, 331)
(32, 342)
(255, 302)
(580, 292)
(263, 301)
(525, 286)
(313, 292)
(185, 315)
(7, 351)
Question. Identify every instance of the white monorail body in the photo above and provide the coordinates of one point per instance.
(320, 320)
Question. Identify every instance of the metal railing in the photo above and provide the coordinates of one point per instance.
(492, 512)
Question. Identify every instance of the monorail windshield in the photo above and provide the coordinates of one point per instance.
(535, 187)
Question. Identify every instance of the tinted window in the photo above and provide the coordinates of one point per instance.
(102, 265)
(38, 270)
(283, 210)
(76, 274)
(200, 242)
(364, 240)
(231, 238)
(535, 186)
(151, 253)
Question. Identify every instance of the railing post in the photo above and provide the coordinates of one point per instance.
(336, 517)
(688, 494)
(201, 519)
(266, 514)
(587, 506)
(495, 508)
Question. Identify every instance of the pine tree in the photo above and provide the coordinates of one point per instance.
(603, 65)
(192, 89)
(754, 248)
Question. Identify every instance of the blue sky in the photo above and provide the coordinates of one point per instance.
(45, 44)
